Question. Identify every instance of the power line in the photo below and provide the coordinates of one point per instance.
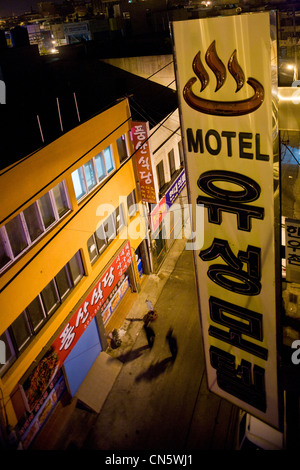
(80, 208)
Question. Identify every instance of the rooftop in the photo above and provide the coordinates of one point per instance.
(48, 96)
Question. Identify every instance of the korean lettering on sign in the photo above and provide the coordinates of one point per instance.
(229, 164)
(292, 248)
(92, 304)
(140, 134)
(175, 189)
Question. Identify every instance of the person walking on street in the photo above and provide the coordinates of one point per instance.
(150, 335)
(172, 341)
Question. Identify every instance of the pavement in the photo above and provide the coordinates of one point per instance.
(140, 398)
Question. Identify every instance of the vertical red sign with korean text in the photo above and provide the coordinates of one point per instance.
(140, 134)
(69, 336)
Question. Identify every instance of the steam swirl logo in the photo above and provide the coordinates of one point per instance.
(221, 108)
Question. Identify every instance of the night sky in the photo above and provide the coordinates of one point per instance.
(8, 7)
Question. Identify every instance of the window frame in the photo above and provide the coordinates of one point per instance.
(160, 166)
(36, 329)
(99, 181)
(121, 160)
(25, 226)
(20, 349)
(9, 361)
(172, 165)
(15, 350)
(131, 197)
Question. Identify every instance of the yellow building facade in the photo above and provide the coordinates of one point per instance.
(68, 212)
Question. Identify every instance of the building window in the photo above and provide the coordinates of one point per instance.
(37, 313)
(122, 148)
(109, 162)
(17, 235)
(160, 174)
(21, 332)
(50, 298)
(171, 158)
(33, 221)
(119, 218)
(109, 228)
(86, 178)
(180, 150)
(61, 199)
(89, 174)
(105, 233)
(78, 183)
(76, 270)
(100, 166)
(63, 283)
(8, 351)
(131, 204)
(5, 249)
(47, 210)
(101, 236)
(92, 249)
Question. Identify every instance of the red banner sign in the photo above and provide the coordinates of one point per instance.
(92, 304)
(140, 134)
(158, 213)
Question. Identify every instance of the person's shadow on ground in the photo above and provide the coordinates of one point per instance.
(155, 370)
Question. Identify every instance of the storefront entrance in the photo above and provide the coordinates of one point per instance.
(82, 357)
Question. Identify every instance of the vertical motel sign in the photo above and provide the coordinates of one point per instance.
(225, 78)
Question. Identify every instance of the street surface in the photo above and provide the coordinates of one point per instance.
(159, 403)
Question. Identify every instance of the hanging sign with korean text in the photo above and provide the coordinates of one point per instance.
(70, 334)
(140, 137)
(226, 81)
(292, 250)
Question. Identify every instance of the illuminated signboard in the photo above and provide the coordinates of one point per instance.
(292, 250)
(36, 383)
(97, 297)
(225, 79)
(140, 137)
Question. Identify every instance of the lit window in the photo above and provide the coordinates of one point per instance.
(79, 184)
(28, 226)
(100, 166)
(89, 175)
(109, 163)
(92, 173)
